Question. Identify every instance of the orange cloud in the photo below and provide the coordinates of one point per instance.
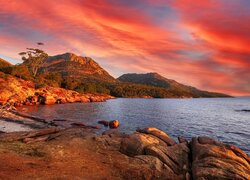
(201, 43)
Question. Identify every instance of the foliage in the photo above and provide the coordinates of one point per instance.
(138, 90)
(3, 64)
(20, 71)
(34, 58)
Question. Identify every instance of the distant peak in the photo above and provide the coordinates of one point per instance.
(154, 74)
(68, 56)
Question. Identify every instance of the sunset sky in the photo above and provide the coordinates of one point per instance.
(203, 43)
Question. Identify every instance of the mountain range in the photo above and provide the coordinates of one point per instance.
(83, 74)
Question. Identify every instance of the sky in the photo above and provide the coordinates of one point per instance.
(202, 43)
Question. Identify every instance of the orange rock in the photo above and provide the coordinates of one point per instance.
(49, 100)
(113, 124)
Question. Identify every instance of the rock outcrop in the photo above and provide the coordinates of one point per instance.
(18, 92)
(77, 153)
(170, 157)
(215, 160)
(202, 158)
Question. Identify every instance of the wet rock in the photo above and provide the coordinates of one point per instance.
(114, 124)
(215, 160)
(42, 98)
(159, 134)
(207, 140)
(84, 99)
(182, 140)
(113, 133)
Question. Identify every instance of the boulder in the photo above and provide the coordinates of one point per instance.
(214, 160)
(136, 143)
(153, 162)
(49, 100)
(175, 157)
(84, 99)
(96, 99)
(113, 132)
(182, 140)
(114, 124)
(159, 134)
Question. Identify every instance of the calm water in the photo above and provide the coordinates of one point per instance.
(216, 117)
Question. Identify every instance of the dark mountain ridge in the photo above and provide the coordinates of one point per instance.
(172, 86)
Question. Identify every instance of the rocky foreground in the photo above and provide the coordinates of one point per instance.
(18, 92)
(78, 153)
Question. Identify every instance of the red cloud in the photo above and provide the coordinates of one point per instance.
(206, 46)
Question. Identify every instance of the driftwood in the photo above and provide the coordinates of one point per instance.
(24, 115)
(26, 136)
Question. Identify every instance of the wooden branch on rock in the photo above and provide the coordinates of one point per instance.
(28, 135)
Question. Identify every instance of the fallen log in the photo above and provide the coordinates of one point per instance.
(24, 135)
(24, 115)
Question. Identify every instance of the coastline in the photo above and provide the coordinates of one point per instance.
(78, 152)
(147, 151)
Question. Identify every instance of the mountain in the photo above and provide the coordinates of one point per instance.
(84, 75)
(73, 66)
(174, 88)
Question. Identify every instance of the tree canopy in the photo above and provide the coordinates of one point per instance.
(34, 58)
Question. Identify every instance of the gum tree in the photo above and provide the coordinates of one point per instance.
(34, 58)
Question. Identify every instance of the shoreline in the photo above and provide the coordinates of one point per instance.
(145, 154)
(60, 144)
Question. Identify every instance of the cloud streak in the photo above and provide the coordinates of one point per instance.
(201, 43)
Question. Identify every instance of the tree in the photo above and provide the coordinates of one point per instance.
(34, 58)
(20, 71)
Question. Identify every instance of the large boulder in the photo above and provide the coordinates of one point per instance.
(152, 142)
(175, 158)
(136, 143)
(215, 160)
(159, 134)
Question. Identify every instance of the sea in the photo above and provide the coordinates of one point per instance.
(219, 118)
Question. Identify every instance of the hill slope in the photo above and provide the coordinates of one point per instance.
(173, 87)
(83, 74)
(4, 64)
(71, 65)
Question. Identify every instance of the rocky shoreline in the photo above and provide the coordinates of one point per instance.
(78, 152)
(18, 92)
(145, 154)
